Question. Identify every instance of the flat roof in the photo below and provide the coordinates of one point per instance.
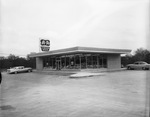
(78, 50)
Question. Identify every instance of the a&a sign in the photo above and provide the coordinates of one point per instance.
(44, 45)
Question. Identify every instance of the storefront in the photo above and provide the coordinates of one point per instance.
(79, 58)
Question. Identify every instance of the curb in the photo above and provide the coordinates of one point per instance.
(83, 74)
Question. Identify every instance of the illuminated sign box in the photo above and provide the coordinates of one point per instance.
(44, 44)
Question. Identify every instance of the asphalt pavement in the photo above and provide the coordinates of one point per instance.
(113, 94)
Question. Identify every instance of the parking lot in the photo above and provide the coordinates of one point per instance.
(113, 94)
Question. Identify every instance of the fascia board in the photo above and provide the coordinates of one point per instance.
(79, 51)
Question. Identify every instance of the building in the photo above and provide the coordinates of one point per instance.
(79, 58)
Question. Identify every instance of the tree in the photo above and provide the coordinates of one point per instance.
(12, 57)
(12, 61)
(142, 55)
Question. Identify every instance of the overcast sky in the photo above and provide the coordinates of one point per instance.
(68, 23)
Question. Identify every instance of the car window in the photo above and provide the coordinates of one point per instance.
(13, 68)
(136, 63)
(22, 67)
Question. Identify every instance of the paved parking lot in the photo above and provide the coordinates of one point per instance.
(114, 94)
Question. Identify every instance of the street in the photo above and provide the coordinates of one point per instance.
(114, 94)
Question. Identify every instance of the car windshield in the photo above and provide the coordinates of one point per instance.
(12, 67)
(136, 63)
(21, 67)
(140, 63)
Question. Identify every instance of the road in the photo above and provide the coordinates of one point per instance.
(114, 94)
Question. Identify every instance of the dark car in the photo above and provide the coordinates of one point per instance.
(139, 65)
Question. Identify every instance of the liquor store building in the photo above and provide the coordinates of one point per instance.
(79, 58)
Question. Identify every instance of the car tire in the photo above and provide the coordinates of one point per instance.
(147, 69)
(129, 68)
(29, 70)
(16, 72)
(143, 68)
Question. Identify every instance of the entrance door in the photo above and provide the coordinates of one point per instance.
(58, 64)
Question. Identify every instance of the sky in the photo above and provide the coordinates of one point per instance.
(119, 24)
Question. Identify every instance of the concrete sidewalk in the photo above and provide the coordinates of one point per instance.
(93, 72)
(85, 74)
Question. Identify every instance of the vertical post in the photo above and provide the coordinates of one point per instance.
(52, 61)
(86, 60)
(69, 62)
(60, 63)
(65, 61)
(80, 62)
(102, 62)
(97, 62)
(55, 62)
(74, 61)
(92, 61)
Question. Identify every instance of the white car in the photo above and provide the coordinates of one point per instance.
(19, 69)
(139, 65)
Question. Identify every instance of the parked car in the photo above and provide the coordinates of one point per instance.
(139, 65)
(19, 69)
